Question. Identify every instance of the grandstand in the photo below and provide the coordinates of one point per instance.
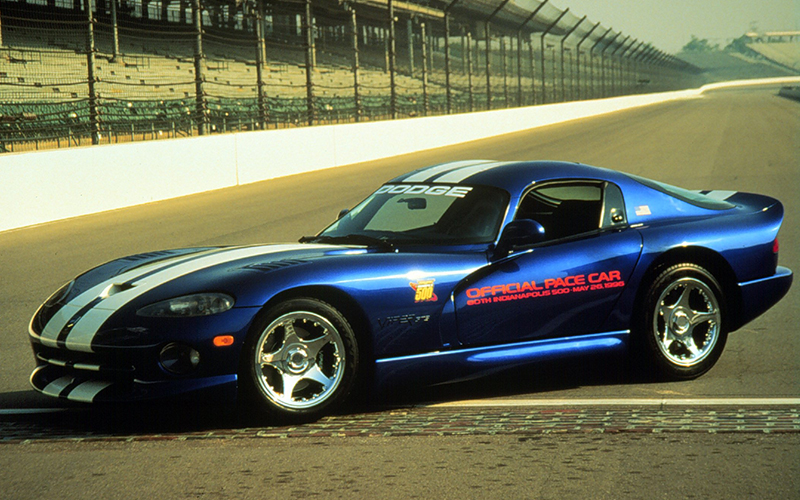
(148, 69)
(779, 47)
(767, 55)
(719, 66)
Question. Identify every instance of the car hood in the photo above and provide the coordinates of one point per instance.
(126, 278)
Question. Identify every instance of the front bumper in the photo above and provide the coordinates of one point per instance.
(759, 295)
(124, 364)
(90, 387)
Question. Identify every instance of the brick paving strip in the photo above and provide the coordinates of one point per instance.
(469, 420)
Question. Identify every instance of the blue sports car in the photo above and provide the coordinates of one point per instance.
(444, 273)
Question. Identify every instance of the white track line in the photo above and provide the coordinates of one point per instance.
(545, 403)
(618, 402)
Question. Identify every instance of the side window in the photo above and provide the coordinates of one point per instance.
(565, 208)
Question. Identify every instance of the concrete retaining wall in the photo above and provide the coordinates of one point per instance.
(44, 186)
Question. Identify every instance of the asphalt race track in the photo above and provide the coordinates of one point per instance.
(666, 439)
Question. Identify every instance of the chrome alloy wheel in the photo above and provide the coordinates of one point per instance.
(299, 360)
(687, 321)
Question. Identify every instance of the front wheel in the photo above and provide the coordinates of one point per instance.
(300, 361)
(683, 326)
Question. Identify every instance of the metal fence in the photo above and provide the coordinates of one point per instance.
(77, 72)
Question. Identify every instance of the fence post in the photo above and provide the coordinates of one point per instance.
(544, 33)
(392, 60)
(469, 72)
(115, 31)
(309, 35)
(447, 91)
(519, 50)
(94, 125)
(385, 50)
(200, 96)
(619, 60)
(488, 41)
(533, 69)
(519, 68)
(603, 65)
(425, 101)
(591, 62)
(263, 114)
(578, 58)
(630, 64)
(503, 56)
(410, 34)
(354, 36)
(564, 39)
(448, 88)
(488, 51)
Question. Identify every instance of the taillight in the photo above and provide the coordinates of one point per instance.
(775, 248)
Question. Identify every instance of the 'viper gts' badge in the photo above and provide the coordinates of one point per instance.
(424, 291)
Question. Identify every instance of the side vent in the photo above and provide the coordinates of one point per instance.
(272, 266)
(148, 255)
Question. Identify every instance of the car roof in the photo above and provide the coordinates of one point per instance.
(511, 176)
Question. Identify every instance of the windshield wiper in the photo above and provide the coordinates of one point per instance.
(353, 239)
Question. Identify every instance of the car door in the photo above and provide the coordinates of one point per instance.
(564, 286)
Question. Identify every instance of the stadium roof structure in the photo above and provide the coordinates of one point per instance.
(528, 17)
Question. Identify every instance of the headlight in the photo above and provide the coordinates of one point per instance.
(201, 304)
(60, 294)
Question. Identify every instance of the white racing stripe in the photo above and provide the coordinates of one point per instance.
(533, 403)
(86, 392)
(720, 195)
(55, 387)
(429, 173)
(57, 322)
(81, 335)
(62, 317)
(459, 175)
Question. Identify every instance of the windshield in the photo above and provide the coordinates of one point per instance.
(424, 214)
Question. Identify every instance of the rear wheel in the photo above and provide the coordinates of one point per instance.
(683, 325)
(300, 361)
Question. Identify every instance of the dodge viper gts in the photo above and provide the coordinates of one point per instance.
(444, 273)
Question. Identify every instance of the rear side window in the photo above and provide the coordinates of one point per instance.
(570, 208)
(613, 207)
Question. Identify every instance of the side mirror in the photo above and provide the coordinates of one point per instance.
(519, 233)
(343, 212)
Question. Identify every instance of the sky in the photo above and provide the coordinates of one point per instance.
(669, 24)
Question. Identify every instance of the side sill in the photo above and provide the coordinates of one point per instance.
(450, 366)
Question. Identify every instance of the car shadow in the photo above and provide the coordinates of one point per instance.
(26, 415)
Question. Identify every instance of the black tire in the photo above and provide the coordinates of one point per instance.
(303, 343)
(682, 329)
